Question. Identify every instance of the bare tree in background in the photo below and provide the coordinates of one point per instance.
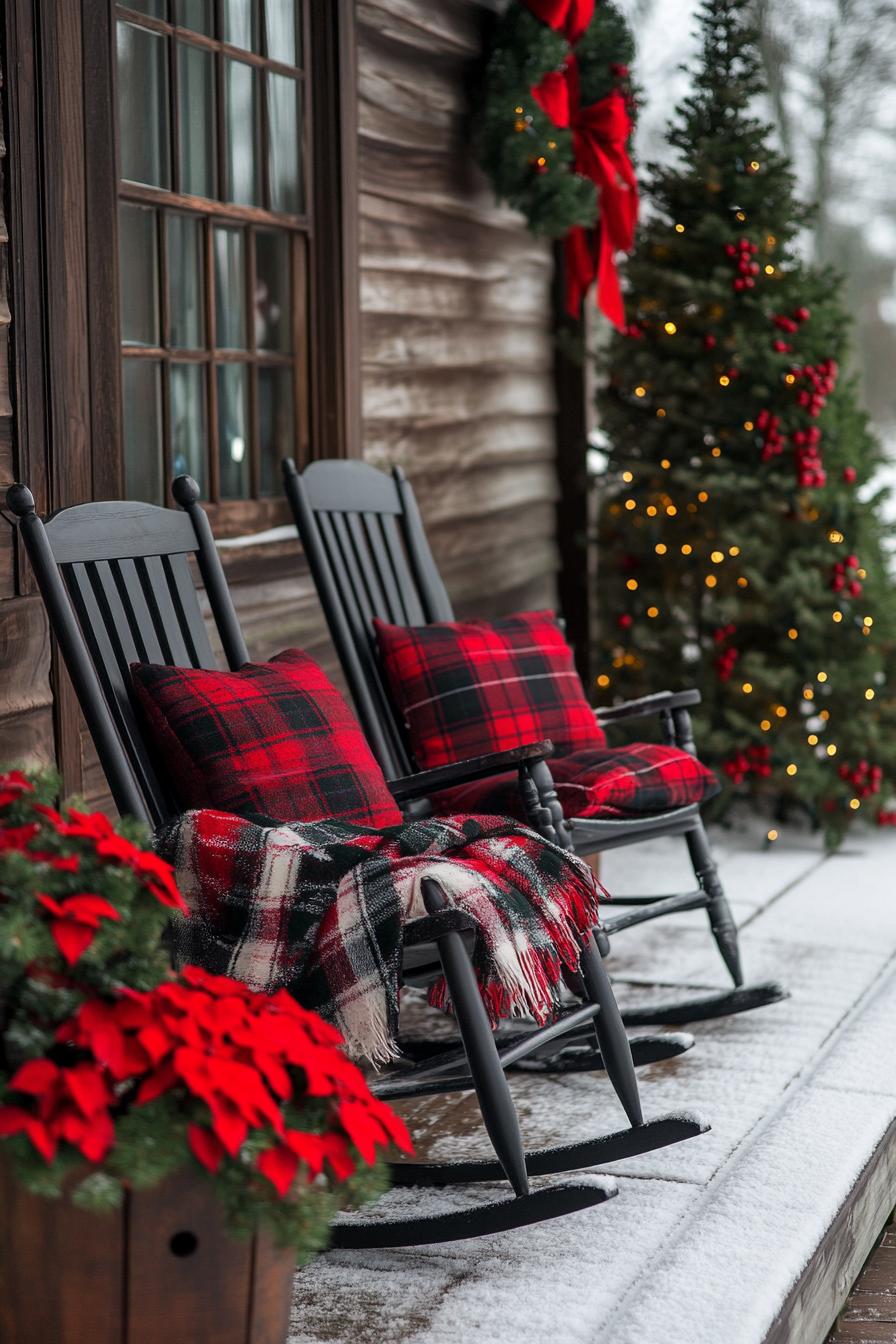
(830, 70)
(830, 66)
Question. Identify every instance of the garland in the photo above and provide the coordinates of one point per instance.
(556, 122)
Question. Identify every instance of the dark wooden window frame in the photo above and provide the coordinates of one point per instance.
(63, 193)
(248, 219)
(62, 196)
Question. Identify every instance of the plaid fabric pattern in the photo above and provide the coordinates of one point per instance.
(275, 738)
(628, 781)
(466, 688)
(319, 909)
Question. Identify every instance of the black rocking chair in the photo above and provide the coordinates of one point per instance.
(116, 582)
(363, 536)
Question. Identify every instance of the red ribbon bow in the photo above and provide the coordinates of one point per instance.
(570, 17)
(599, 136)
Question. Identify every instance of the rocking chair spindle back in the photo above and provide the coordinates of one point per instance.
(117, 583)
(369, 557)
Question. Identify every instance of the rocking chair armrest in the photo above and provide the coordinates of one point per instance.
(464, 772)
(428, 928)
(648, 704)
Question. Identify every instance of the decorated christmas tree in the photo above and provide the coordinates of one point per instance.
(741, 540)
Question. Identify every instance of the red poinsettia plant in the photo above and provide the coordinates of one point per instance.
(115, 1070)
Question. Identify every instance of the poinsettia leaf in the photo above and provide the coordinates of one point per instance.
(205, 1147)
(72, 938)
(279, 1166)
(87, 1088)
(14, 1120)
(229, 1126)
(158, 1083)
(88, 908)
(35, 1077)
(338, 1155)
(309, 1147)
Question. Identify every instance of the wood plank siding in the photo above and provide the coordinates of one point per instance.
(26, 700)
(456, 350)
(453, 357)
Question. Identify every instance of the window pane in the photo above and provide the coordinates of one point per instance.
(233, 438)
(142, 423)
(156, 9)
(284, 144)
(283, 31)
(241, 23)
(188, 421)
(186, 291)
(196, 91)
(139, 264)
(143, 103)
(195, 14)
(230, 289)
(276, 424)
(273, 307)
(242, 133)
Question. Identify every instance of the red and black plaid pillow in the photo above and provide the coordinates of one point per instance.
(638, 780)
(471, 687)
(275, 738)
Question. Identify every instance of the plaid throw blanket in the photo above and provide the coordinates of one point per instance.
(319, 908)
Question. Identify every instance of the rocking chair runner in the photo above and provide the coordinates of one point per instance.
(116, 582)
(367, 550)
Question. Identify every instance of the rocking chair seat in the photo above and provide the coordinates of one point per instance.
(637, 780)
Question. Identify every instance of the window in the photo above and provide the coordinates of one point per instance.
(214, 238)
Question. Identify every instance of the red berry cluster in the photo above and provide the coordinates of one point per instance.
(864, 779)
(741, 254)
(756, 760)
(726, 659)
(635, 331)
(792, 323)
(810, 472)
(821, 379)
(772, 438)
(886, 818)
(844, 578)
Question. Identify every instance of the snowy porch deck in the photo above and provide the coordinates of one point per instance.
(751, 1233)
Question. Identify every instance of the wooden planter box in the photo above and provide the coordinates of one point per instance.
(161, 1270)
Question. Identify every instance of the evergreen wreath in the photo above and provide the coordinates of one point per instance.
(549, 73)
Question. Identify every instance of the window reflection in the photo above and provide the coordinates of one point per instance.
(196, 91)
(188, 436)
(139, 275)
(142, 425)
(230, 289)
(241, 113)
(186, 290)
(276, 424)
(273, 318)
(233, 444)
(143, 106)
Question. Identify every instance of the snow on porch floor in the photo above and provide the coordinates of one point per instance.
(707, 1237)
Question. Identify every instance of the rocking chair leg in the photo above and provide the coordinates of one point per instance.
(614, 1044)
(495, 1102)
(721, 920)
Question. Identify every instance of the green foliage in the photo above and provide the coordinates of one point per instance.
(699, 531)
(93, 1140)
(528, 159)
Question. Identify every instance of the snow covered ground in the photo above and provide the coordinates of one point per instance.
(706, 1238)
